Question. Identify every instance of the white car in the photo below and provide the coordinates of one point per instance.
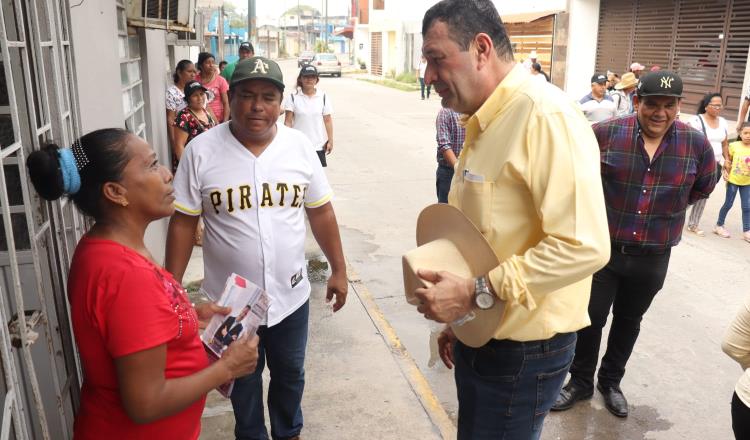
(327, 64)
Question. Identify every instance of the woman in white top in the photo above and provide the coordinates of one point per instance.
(309, 110)
(736, 344)
(714, 127)
(421, 70)
(183, 74)
(538, 74)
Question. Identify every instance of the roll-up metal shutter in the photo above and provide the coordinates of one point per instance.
(534, 35)
(705, 41)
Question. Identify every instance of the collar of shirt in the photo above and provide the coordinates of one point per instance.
(499, 98)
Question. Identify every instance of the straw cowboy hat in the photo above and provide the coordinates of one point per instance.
(447, 240)
(628, 80)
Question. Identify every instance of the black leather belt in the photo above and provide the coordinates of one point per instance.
(638, 250)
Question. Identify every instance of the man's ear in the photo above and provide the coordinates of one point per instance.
(115, 193)
(482, 48)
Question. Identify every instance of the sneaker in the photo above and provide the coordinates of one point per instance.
(721, 231)
(695, 230)
(746, 236)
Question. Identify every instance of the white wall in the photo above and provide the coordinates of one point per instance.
(583, 29)
(94, 32)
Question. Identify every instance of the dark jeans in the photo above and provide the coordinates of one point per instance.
(422, 86)
(506, 388)
(283, 347)
(740, 419)
(732, 190)
(627, 284)
(443, 177)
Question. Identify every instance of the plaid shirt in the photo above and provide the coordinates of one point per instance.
(450, 134)
(645, 201)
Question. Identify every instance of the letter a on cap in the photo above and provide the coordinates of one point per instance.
(260, 66)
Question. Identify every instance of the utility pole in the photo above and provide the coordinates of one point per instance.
(326, 24)
(252, 31)
(220, 33)
(299, 32)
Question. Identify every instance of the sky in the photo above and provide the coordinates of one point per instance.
(274, 8)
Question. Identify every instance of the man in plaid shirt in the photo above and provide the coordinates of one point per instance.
(652, 167)
(450, 140)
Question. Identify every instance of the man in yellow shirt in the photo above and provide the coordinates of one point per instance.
(528, 178)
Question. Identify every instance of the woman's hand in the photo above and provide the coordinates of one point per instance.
(241, 358)
(207, 310)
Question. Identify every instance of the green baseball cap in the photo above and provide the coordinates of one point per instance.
(258, 68)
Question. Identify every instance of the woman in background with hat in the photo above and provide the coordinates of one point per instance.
(146, 374)
(623, 94)
(309, 110)
(213, 82)
(191, 120)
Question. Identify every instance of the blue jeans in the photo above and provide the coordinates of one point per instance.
(283, 347)
(443, 177)
(422, 86)
(506, 388)
(729, 201)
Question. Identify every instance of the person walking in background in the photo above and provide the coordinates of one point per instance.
(637, 69)
(191, 120)
(652, 167)
(213, 82)
(145, 372)
(183, 74)
(538, 74)
(714, 127)
(245, 51)
(744, 115)
(736, 344)
(420, 75)
(450, 140)
(528, 178)
(737, 167)
(309, 110)
(598, 106)
(623, 94)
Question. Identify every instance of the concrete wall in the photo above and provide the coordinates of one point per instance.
(94, 33)
(583, 28)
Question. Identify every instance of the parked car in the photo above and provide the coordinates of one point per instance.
(327, 64)
(305, 58)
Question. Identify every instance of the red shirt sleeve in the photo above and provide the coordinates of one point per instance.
(137, 314)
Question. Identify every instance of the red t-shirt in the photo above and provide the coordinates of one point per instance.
(121, 303)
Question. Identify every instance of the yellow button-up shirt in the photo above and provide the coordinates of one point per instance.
(528, 178)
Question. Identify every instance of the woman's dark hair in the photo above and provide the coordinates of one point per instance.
(537, 67)
(466, 19)
(181, 67)
(107, 158)
(705, 101)
(202, 57)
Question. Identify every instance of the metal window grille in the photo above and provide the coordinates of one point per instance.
(133, 105)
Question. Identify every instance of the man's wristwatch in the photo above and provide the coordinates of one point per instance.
(483, 297)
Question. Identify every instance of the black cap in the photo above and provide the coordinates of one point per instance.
(308, 70)
(599, 78)
(660, 83)
(248, 46)
(192, 87)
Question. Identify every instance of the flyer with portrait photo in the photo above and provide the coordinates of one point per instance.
(249, 305)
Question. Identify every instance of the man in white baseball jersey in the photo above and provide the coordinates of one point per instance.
(250, 179)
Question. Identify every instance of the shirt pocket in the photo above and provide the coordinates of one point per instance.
(476, 203)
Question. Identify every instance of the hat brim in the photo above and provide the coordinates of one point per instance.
(671, 95)
(447, 240)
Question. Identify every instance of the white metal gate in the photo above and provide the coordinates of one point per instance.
(38, 104)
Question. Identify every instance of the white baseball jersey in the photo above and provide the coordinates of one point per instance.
(252, 210)
(308, 115)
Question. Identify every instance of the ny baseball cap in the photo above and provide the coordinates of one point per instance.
(599, 78)
(308, 70)
(246, 45)
(660, 83)
(258, 68)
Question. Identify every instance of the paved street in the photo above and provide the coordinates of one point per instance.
(679, 383)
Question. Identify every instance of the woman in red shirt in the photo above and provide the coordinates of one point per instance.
(209, 76)
(146, 373)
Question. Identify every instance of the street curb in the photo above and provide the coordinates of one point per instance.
(406, 363)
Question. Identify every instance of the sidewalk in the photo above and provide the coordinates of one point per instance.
(360, 382)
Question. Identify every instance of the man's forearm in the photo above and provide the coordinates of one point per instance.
(180, 243)
(325, 229)
(450, 157)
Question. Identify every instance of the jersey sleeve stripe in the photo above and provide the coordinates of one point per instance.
(185, 210)
(320, 202)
